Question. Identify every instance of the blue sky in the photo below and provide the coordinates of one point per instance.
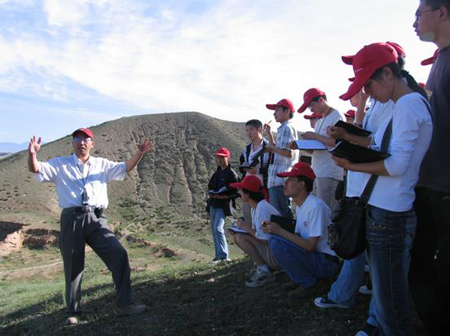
(66, 64)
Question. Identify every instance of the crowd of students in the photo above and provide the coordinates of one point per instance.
(408, 213)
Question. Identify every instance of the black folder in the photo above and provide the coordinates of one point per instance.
(352, 129)
(357, 154)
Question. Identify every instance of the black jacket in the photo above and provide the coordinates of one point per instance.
(229, 176)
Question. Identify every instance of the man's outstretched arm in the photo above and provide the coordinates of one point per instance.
(33, 148)
(142, 149)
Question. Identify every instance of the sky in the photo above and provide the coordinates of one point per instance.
(66, 64)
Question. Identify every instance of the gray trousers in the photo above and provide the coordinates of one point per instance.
(325, 188)
(77, 229)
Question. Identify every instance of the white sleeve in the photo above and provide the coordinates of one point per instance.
(405, 130)
(318, 221)
(115, 170)
(47, 171)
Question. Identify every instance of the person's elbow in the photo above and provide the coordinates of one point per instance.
(396, 168)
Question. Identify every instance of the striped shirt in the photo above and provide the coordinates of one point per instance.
(285, 134)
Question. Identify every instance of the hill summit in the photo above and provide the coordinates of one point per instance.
(169, 182)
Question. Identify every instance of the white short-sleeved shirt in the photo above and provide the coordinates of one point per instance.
(322, 163)
(411, 136)
(313, 218)
(72, 177)
(374, 118)
(260, 214)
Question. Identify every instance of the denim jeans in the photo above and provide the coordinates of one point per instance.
(279, 201)
(390, 236)
(345, 288)
(217, 216)
(303, 267)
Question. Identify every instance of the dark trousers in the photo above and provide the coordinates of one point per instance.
(429, 275)
(77, 229)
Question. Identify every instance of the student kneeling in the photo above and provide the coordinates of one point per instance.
(255, 243)
(305, 254)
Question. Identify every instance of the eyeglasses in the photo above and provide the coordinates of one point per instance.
(80, 139)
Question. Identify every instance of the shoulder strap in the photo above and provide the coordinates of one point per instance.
(364, 199)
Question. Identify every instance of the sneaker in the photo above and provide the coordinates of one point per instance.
(301, 292)
(72, 320)
(219, 261)
(251, 271)
(132, 309)
(368, 330)
(366, 289)
(260, 278)
(325, 302)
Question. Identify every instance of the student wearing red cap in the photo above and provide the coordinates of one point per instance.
(81, 184)
(313, 118)
(221, 202)
(328, 174)
(255, 242)
(305, 255)
(430, 271)
(350, 116)
(283, 157)
(391, 220)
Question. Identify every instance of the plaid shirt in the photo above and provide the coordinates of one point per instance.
(285, 134)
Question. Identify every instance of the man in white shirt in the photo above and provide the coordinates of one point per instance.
(255, 243)
(328, 173)
(305, 255)
(81, 184)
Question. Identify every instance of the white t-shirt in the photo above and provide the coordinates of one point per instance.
(313, 218)
(260, 214)
(411, 135)
(377, 113)
(322, 164)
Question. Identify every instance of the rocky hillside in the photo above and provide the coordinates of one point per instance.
(169, 183)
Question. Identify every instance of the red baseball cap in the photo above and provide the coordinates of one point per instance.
(350, 113)
(85, 131)
(366, 62)
(284, 103)
(250, 182)
(308, 97)
(223, 152)
(400, 51)
(313, 116)
(431, 59)
(300, 169)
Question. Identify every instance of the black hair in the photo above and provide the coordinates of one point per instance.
(255, 196)
(255, 123)
(308, 182)
(401, 62)
(316, 99)
(399, 73)
(436, 4)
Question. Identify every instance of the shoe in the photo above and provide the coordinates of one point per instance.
(368, 330)
(301, 292)
(289, 286)
(325, 302)
(219, 261)
(366, 289)
(132, 309)
(251, 271)
(260, 278)
(72, 320)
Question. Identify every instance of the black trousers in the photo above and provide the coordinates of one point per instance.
(429, 275)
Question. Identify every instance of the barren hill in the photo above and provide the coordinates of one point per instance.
(168, 183)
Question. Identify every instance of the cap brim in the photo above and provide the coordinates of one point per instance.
(286, 174)
(348, 59)
(303, 107)
(356, 86)
(271, 106)
(220, 154)
(82, 132)
(427, 61)
(238, 185)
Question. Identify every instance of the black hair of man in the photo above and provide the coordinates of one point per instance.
(435, 4)
(254, 196)
(316, 99)
(308, 182)
(254, 123)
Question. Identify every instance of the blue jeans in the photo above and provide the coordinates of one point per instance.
(217, 216)
(390, 236)
(279, 201)
(303, 267)
(345, 288)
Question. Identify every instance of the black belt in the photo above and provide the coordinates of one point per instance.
(88, 209)
(332, 258)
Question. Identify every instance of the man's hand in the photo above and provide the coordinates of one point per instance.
(270, 228)
(309, 136)
(243, 225)
(336, 132)
(293, 145)
(344, 163)
(145, 147)
(267, 127)
(269, 148)
(34, 146)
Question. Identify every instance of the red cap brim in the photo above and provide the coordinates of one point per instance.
(237, 185)
(287, 174)
(428, 61)
(271, 106)
(303, 107)
(356, 86)
(348, 59)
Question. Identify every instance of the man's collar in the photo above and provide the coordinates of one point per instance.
(77, 161)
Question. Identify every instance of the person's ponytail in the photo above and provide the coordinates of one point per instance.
(412, 84)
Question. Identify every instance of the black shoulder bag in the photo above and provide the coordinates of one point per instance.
(347, 231)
